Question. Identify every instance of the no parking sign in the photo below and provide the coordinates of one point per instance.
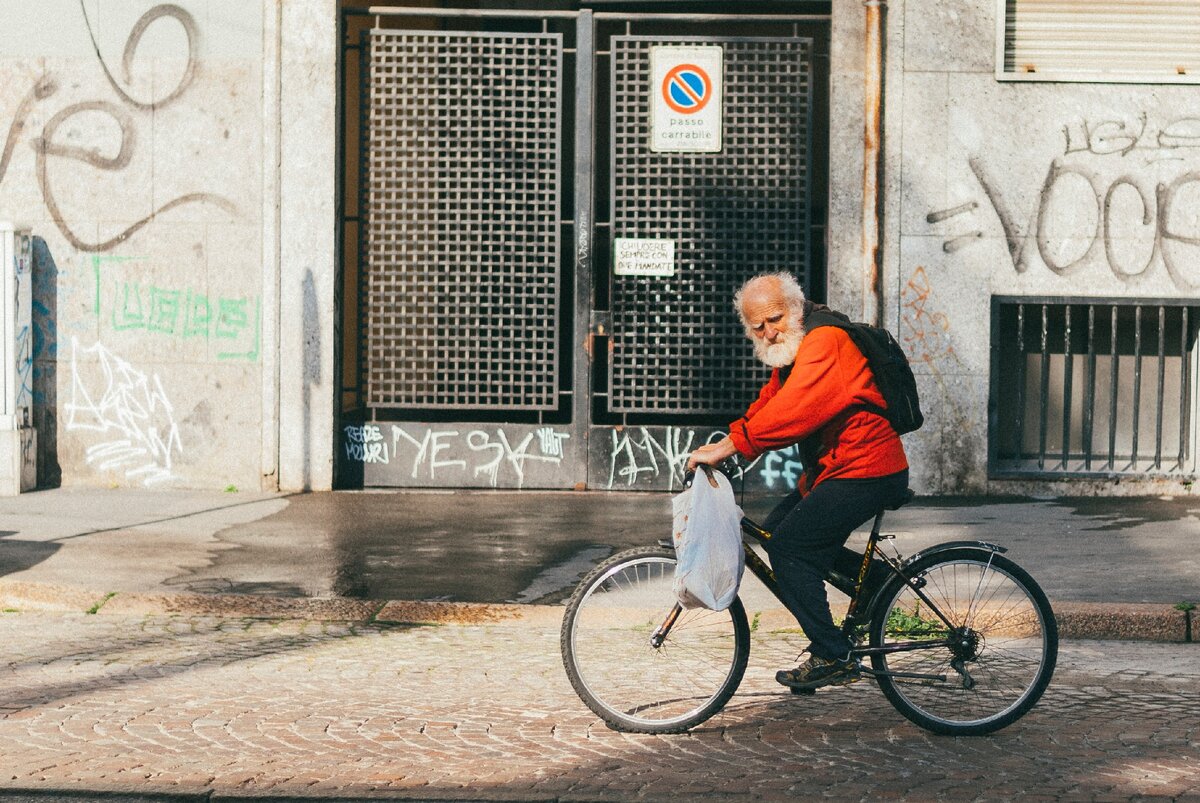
(685, 99)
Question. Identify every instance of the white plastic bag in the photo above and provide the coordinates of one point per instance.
(708, 543)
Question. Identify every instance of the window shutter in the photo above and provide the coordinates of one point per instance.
(1142, 41)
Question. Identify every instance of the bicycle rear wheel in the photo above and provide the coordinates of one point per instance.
(631, 684)
(1004, 642)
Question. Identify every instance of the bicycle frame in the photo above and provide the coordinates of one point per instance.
(861, 605)
(960, 639)
(860, 609)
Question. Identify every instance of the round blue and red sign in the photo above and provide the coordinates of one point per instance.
(687, 89)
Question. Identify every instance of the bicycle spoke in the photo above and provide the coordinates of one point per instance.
(619, 673)
(1001, 640)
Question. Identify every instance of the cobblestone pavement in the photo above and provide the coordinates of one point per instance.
(213, 708)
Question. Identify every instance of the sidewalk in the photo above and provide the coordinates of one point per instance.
(1113, 568)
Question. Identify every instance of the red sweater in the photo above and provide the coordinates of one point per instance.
(823, 395)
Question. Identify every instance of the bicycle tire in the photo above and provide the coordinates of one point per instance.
(625, 680)
(1009, 651)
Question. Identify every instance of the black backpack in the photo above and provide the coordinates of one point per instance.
(888, 363)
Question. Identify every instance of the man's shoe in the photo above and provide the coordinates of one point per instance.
(817, 672)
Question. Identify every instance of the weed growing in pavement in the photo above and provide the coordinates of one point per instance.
(902, 622)
(100, 604)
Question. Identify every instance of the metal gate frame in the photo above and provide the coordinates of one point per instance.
(577, 454)
(704, 353)
(1008, 458)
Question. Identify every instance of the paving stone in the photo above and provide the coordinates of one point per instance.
(194, 705)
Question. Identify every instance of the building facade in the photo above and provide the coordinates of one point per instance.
(314, 244)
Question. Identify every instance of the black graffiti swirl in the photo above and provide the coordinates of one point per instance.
(131, 45)
(44, 88)
(46, 146)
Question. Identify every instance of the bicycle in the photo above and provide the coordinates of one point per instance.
(960, 639)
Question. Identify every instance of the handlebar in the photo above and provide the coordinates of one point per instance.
(689, 476)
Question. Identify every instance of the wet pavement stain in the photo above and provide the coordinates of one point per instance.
(525, 548)
(533, 547)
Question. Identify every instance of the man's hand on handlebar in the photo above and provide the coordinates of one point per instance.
(712, 453)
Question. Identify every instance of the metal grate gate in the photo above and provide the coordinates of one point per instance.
(678, 347)
(1093, 387)
(496, 161)
(461, 154)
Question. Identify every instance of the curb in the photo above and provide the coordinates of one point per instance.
(1123, 622)
(1076, 620)
(27, 597)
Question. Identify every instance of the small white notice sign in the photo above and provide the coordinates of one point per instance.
(635, 256)
(685, 99)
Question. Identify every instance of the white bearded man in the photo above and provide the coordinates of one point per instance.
(822, 396)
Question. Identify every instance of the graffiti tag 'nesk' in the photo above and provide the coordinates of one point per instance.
(442, 451)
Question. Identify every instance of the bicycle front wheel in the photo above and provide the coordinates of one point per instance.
(996, 656)
(626, 680)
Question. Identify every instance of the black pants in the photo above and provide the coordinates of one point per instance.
(806, 536)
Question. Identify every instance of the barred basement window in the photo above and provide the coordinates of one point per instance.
(1119, 41)
(1093, 387)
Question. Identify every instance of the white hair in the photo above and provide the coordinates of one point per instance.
(793, 296)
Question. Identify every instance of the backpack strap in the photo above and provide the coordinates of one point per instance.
(814, 315)
(818, 315)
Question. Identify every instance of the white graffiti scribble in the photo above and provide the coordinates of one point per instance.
(433, 444)
(641, 456)
(365, 444)
(24, 367)
(637, 451)
(439, 454)
(131, 409)
(551, 441)
(478, 441)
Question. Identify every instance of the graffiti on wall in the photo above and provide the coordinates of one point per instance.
(1122, 193)
(501, 458)
(24, 374)
(498, 456)
(927, 339)
(90, 138)
(638, 454)
(779, 470)
(644, 456)
(50, 145)
(926, 330)
(54, 288)
(127, 304)
(128, 411)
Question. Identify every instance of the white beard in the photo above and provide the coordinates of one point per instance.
(781, 353)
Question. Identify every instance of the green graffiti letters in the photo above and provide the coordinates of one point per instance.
(130, 305)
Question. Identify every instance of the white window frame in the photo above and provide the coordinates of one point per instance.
(1051, 75)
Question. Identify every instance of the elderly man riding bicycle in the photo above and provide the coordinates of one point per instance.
(823, 396)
